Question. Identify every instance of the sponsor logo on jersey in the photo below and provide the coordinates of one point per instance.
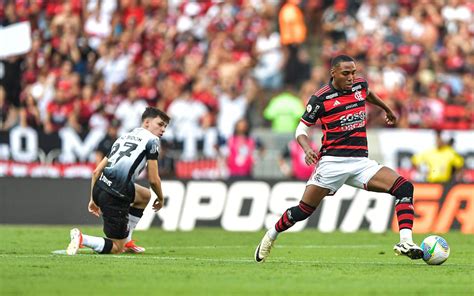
(312, 115)
(351, 106)
(358, 96)
(154, 148)
(331, 96)
(356, 87)
(352, 121)
(336, 103)
(105, 180)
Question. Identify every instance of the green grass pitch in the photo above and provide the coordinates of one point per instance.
(214, 262)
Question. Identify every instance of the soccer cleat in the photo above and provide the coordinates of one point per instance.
(409, 249)
(130, 247)
(76, 242)
(263, 249)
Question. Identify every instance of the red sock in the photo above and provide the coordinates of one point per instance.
(405, 215)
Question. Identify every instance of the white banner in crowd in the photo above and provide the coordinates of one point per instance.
(15, 39)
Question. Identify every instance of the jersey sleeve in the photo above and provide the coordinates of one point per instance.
(152, 149)
(314, 110)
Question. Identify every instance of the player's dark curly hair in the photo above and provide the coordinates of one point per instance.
(341, 58)
(152, 112)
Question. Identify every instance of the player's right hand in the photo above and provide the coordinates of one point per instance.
(157, 205)
(93, 208)
(311, 157)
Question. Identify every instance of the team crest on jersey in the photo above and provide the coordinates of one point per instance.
(358, 96)
(309, 108)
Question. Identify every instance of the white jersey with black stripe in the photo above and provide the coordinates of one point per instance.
(126, 160)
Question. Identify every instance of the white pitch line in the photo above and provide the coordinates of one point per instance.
(276, 246)
(226, 260)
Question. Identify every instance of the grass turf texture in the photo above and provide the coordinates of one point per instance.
(215, 262)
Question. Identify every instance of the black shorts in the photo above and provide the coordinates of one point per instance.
(114, 213)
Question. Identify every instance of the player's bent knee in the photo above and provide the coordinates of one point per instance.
(142, 193)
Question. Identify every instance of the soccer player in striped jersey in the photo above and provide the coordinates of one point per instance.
(114, 195)
(343, 157)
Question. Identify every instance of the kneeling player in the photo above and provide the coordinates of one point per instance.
(113, 192)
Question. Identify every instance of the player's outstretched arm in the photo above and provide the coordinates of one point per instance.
(390, 117)
(155, 183)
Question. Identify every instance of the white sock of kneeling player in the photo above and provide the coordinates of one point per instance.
(95, 243)
(134, 217)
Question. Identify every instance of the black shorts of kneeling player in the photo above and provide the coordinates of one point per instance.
(114, 213)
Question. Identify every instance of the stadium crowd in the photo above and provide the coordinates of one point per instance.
(209, 64)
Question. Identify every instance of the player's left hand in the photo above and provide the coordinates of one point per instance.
(157, 205)
(93, 208)
(390, 118)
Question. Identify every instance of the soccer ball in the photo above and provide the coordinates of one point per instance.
(435, 250)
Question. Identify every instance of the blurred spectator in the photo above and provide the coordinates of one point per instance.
(100, 119)
(29, 112)
(269, 58)
(441, 164)
(316, 80)
(6, 119)
(85, 106)
(241, 150)
(97, 26)
(211, 141)
(113, 66)
(166, 162)
(10, 81)
(185, 128)
(284, 111)
(43, 92)
(293, 35)
(130, 110)
(292, 24)
(455, 13)
(60, 111)
(232, 108)
(104, 146)
(336, 23)
(296, 167)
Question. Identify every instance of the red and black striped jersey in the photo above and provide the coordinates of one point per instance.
(343, 119)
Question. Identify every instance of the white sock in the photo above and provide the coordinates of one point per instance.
(406, 235)
(95, 243)
(272, 233)
(132, 223)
